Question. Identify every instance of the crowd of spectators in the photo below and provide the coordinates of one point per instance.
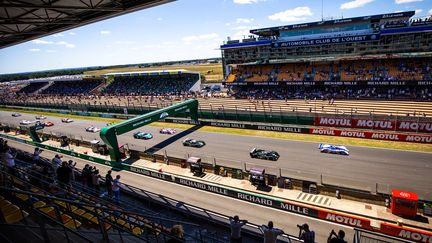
(348, 70)
(71, 87)
(405, 23)
(32, 87)
(151, 85)
(345, 92)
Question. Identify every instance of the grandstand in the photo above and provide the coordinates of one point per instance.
(379, 56)
(171, 82)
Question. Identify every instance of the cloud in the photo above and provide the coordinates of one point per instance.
(290, 15)
(65, 44)
(355, 4)
(417, 11)
(105, 32)
(34, 49)
(124, 42)
(159, 19)
(240, 34)
(200, 37)
(430, 11)
(42, 42)
(243, 20)
(58, 35)
(407, 1)
(245, 1)
(51, 51)
(72, 33)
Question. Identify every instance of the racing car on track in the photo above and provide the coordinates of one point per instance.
(193, 143)
(264, 154)
(143, 135)
(39, 125)
(25, 122)
(41, 117)
(333, 149)
(16, 114)
(167, 131)
(92, 129)
(49, 124)
(66, 120)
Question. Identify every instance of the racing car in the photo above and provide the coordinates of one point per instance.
(49, 124)
(16, 114)
(333, 149)
(167, 131)
(39, 125)
(92, 129)
(143, 135)
(66, 120)
(264, 154)
(193, 143)
(41, 117)
(25, 122)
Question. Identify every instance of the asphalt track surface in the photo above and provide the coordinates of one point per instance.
(391, 169)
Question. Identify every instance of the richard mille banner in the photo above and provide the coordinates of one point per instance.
(327, 41)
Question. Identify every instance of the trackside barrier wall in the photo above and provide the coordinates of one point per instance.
(352, 220)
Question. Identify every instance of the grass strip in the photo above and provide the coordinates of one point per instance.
(270, 134)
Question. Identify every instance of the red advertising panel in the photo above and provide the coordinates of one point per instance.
(406, 232)
(390, 125)
(345, 219)
(415, 138)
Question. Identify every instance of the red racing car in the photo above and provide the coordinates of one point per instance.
(49, 124)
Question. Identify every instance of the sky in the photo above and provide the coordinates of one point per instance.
(181, 30)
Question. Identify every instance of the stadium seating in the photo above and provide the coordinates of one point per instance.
(33, 87)
(71, 87)
(151, 85)
(346, 70)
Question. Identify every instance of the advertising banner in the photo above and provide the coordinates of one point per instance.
(414, 138)
(390, 125)
(327, 41)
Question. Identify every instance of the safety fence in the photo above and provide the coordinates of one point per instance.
(327, 214)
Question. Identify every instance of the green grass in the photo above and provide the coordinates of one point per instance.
(280, 135)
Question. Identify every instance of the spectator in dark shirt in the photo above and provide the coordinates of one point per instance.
(270, 233)
(64, 174)
(336, 238)
(306, 234)
(236, 224)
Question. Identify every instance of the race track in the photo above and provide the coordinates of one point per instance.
(364, 167)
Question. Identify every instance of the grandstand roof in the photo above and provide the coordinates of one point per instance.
(148, 73)
(275, 30)
(24, 20)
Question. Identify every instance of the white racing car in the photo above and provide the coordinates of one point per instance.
(333, 149)
(66, 120)
(25, 122)
(41, 117)
(92, 129)
(167, 131)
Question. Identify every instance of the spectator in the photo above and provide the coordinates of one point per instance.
(10, 161)
(72, 165)
(336, 238)
(96, 181)
(108, 183)
(116, 189)
(236, 224)
(270, 233)
(36, 155)
(84, 174)
(177, 232)
(56, 161)
(64, 175)
(306, 234)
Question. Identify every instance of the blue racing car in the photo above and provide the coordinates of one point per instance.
(333, 149)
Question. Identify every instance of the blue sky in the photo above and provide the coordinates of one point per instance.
(184, 29)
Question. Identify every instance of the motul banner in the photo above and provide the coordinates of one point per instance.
(353, 221)
(414, 138)
(408, 233)
(409, 126)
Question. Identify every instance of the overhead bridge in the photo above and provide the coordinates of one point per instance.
(109, 134)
